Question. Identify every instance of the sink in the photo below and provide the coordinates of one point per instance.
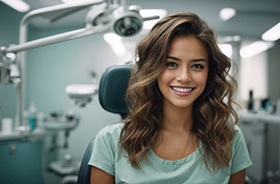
(60, 125)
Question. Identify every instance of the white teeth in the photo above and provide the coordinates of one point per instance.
(182, 90)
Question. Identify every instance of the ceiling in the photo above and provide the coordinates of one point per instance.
(253, 17)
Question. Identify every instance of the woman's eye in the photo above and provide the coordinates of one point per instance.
(198, 66)
(171, 64)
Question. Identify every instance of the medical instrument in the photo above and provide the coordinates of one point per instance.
(117, 16)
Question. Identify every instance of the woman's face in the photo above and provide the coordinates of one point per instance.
(184, 78)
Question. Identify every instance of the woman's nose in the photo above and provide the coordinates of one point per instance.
(183, 75)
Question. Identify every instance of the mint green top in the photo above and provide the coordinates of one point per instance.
(107, 156)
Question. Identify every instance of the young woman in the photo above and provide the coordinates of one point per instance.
(181, 127)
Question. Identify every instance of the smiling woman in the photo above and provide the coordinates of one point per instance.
(181, 123)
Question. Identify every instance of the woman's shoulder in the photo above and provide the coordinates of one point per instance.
(241, 158)
(111, 130)
(237, 131)
(237, 128)
(238, 136)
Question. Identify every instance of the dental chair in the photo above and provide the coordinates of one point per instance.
(112, 89)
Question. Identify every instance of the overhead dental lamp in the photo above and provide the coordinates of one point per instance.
(117, 16)
(123, 20)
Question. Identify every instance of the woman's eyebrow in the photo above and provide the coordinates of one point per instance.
(173, 58)
(200, 60)
(193, 60)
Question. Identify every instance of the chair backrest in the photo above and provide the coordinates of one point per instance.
(112, 87)
(84, 171)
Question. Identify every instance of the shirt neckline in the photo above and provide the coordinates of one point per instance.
(194, 154)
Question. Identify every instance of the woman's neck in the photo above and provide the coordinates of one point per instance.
(175, 139)
(177, 119)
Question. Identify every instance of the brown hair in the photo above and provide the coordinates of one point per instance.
(213, 112)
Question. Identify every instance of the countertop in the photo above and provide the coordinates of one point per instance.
(248, 117)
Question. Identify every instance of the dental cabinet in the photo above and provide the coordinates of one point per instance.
(26, 156)
(21, 161)
(261, 132)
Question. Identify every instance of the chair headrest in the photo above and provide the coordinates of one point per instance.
(112, 88)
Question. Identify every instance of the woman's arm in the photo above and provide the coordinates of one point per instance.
(238, 178)
(98, 176)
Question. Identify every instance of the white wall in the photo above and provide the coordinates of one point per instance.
(260, 73)
(274, 72)
(253, 75)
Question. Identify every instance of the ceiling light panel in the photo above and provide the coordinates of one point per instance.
(272, 34)
(227, 13)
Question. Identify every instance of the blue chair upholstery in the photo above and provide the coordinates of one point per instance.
(84, 171)
(112, 87)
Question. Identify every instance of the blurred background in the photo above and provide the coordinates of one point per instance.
(39, 153)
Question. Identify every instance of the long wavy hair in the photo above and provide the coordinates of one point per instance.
(213, 112)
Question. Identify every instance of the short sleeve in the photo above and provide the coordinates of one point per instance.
(103, 153)
(240, 158)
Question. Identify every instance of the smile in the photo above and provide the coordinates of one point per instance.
(182, 90)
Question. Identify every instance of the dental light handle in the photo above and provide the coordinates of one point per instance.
(151, 18)
(52, 40)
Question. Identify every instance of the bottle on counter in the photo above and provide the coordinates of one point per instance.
(268, 107)
(32, 116)
(250, 104)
